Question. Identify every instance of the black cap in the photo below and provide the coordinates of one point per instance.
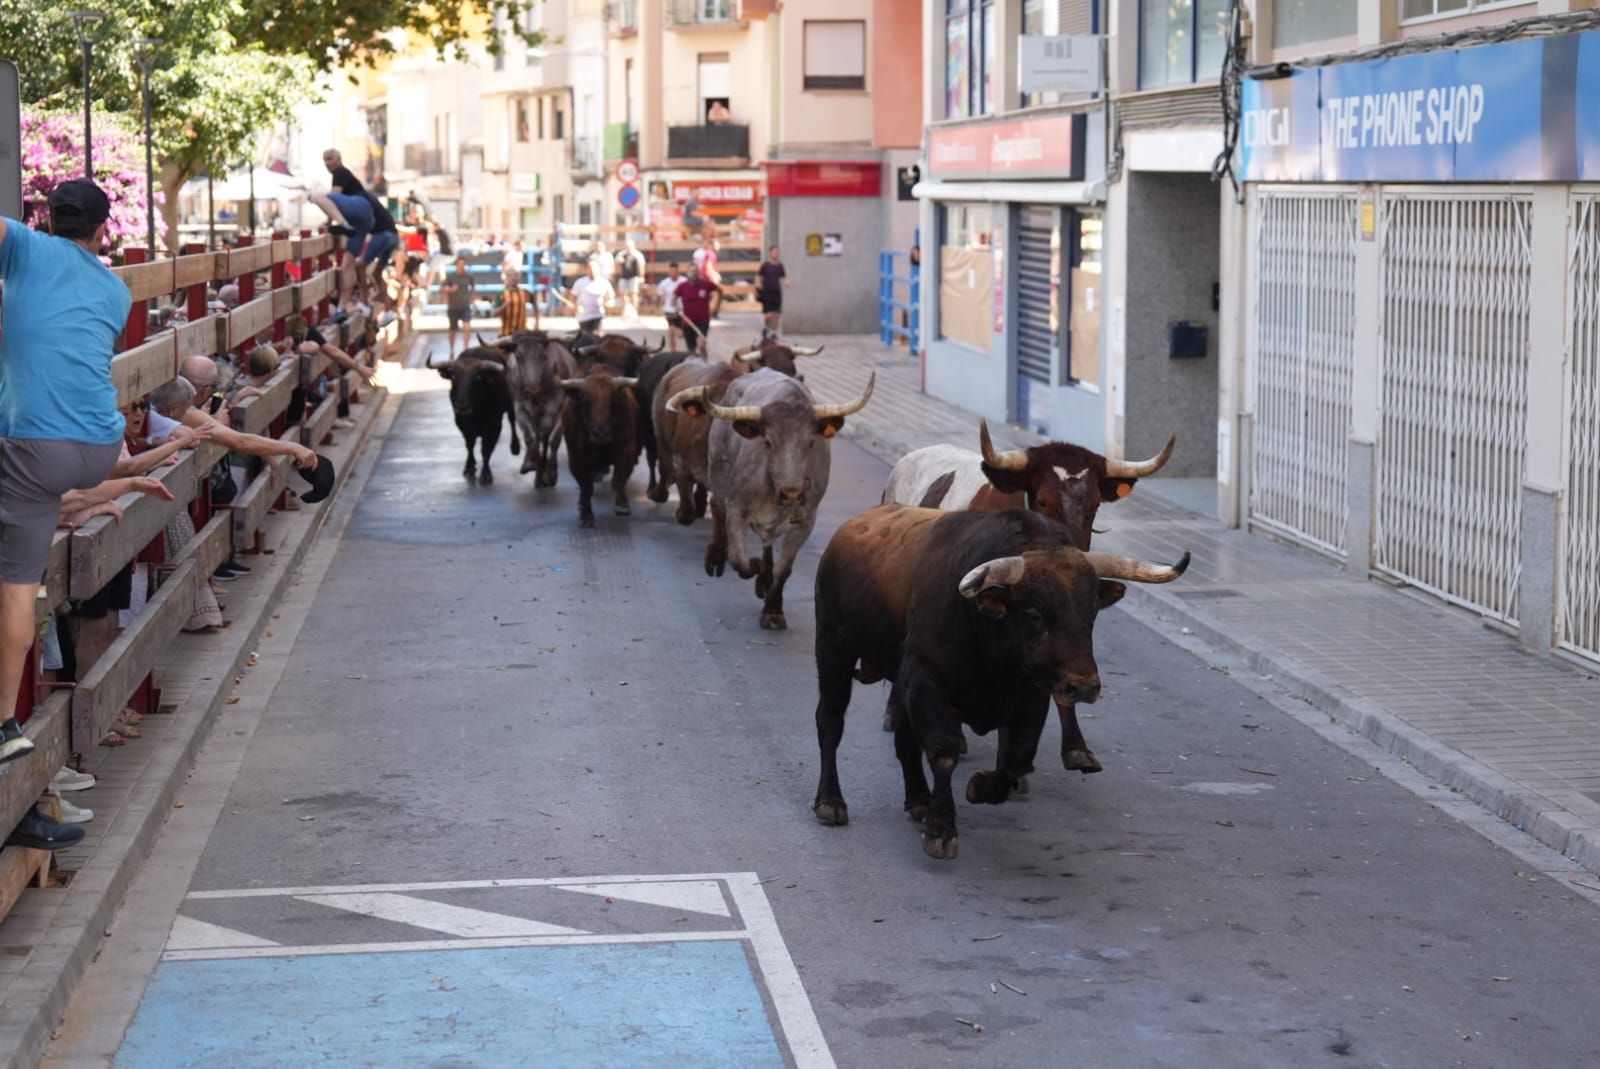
(320, 478)
(80, 198)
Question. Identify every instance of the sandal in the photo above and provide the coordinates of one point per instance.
(131, 716)
(113, 739)
(126, 730)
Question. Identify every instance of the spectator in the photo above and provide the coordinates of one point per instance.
(139, 457)
(769, 291)
(261, 364)
(705, 261)
(590, 295)
(602, 261)
(228, 295)
(60, 430)
(630, 270)
(459, 293)
(173, 404)
(718, 113)
(699, 299)
(385, 238)
(667, 289)
(350, 217)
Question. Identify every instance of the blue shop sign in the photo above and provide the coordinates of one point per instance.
(1496, 113)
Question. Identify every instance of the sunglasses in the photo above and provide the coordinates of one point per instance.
(140, 406)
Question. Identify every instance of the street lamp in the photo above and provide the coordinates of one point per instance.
(89, 25)
(144, 50)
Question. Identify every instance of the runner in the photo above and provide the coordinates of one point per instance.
(769, 291)
(590, 295)
(698, 300)
(667, 289)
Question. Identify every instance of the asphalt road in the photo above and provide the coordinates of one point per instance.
(484, 691)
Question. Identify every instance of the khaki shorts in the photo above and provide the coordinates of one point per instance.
(34, 474)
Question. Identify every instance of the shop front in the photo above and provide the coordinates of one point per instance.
(1013, 241)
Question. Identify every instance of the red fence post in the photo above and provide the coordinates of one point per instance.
(247, 281)
(197, 292)
(137, 327)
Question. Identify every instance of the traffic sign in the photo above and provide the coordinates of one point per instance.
(627, 172)
(628, 196)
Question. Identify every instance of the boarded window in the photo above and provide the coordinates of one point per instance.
(836, 55)
(966, 274)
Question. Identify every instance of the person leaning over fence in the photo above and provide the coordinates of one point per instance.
(385, 237)
(59, 426)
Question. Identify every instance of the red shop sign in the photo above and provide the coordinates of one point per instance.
(824, 178)
(1047, 147)
(717, 192)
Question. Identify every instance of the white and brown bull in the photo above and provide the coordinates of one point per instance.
(767, 468)
(1062, 482)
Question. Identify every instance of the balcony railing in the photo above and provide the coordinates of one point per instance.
(712, 141)
(621, 143)
(418, 157)
(586, 156)
(690, 13)
(623, 16)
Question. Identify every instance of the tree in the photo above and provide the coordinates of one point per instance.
(52, 152)
(339, 33)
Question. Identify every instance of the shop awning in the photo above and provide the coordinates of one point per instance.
(1015, 192)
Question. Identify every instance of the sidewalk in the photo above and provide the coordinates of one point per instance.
(1516, 732)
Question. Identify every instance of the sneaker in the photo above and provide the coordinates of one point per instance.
(39, 832)
(13, 743)
(66, 779)
(224, 574)
(235, 567)
(344, 424)
(72, 814)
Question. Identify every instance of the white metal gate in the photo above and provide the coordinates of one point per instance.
(1304, 254)
(1580, 572)
(1450, 457)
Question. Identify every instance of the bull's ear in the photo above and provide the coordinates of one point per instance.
(747, 428)
(1007, 481)
(994, 601)
(830, 427)
(692, 408)
(1111, 592)
(1115, 489)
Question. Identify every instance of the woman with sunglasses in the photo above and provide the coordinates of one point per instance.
(139, 457)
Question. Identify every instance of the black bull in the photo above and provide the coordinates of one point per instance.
(480, 399)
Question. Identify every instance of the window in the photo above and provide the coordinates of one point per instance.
(1086, 301)
(968, 58)
(1412, 10)
(716, 86)
(966, 273)
(836, 55)
(522, 119)
(560, 123)
(1181, 41)
(538, 106)
(1298, 22)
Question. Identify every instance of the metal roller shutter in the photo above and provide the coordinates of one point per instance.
(1036, 346)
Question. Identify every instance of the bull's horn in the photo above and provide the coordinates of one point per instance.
(621, 380)
(585, 350)
(748, 355)
(748, 413)
(1011, 460)
(428, 363)
(806, 350)
(502, 342)
(1126, 469)
(1111, 566)
(572, 384)
(693, 393)
(658, 348)
(1002, 571)
(481, 342)
(849, 409)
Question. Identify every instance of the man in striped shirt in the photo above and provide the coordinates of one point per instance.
(513, 307)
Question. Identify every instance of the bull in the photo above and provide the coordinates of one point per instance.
(978, 618)
(600, 423)
(1066, 483)
(683, 439)
(769, 352)
(480, 398)
(618, 350)
(767, 469)
(536, 365)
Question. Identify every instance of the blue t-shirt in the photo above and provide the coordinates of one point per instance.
(63, 312)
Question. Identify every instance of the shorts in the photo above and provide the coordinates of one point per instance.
(770, 302)
(590, 326)
(695, 329)
(459, 317)
(380, 247)
(674, 320)
(34, 474)
(629, 286)
(357, 211)
(414, 267)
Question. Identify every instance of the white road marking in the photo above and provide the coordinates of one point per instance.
(795, 1015)
(1225, 788)
(437, 916)
(698, 896)
(190, 934)
(450, 885)
(491, 943)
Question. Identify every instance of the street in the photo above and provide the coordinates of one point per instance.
(485, 707)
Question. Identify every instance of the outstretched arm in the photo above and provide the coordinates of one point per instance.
(250, 444)
(146, 462)
(345, 360)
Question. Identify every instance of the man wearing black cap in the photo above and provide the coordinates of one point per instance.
(59, 425)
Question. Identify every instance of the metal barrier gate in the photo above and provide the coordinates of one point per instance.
(1304, 259)
(1451, 444)
(1580, 573)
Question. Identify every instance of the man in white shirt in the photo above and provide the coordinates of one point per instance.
(590, 296)
(667, 288)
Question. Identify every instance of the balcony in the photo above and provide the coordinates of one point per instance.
(423, 160)
(621, 143)
(722, 142)
(702, 14)
(586, 157)
(622, 17)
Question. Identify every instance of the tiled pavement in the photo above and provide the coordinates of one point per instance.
(1517, 732)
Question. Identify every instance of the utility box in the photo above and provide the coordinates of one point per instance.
(1187, 340)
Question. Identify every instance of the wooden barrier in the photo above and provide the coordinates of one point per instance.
(250, 508)
(210, 546)
(320, 423)
(103, 546)
(255, 415)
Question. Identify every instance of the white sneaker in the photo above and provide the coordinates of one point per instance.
(344, 424)
(66, 779)
(72, 814)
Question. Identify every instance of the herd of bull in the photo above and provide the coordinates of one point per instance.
(972, 588)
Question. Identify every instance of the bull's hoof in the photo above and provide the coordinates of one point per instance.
(987, 788)
(774, 621)
(716, 562)
(585, 519)
(684, 516)
(486, 478)
(516, 446)
(548, 479)
(747, 569)
(941, 849)
(658, 494)
(470, 471)
(527, 465)
(621, 508)
(1080, 761)
(833, 814)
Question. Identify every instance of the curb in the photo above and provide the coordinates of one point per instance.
(40, 995)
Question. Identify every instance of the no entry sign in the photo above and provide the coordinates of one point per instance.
(627, 172)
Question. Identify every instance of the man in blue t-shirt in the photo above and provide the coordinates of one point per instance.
(59, 425)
